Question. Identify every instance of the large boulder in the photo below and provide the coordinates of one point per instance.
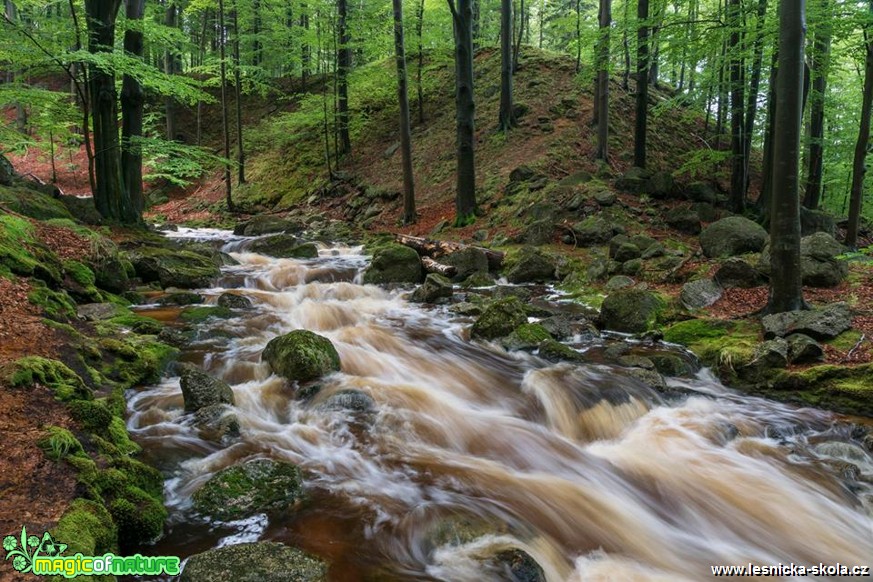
(200, 390)
(254, 562)
(217, 422)
(820, 324)
(301, 356)
(284, 246)
(255, 486)
(819, 264)
(684, 220)
(533, 265)
(499, 319)
(394, 263)
(435, 287)
(700, 293)
(594, 230)
(635, 181)
(174, 267)
(732, 236)
(630, 310)
(234, 301)
(738, 272)
(813, 221)
(266, 224)
(466, 262)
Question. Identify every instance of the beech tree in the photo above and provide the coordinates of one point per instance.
(602, 93)
(409, 215)
(507, 115)
(465, 195)
(859, 168)
(642, 84)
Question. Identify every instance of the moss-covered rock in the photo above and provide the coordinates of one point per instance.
(555, 351)
(80, 282)
(631, 310)
(234, 301)
(499, 319)
(527, 336)
(301, 356)
(267, 224)
(139, 517)
(54, 374)
(58, 443)
(467, 262)
(200, 390)
(55, 304)
(31, 202)
(284, 246)
(434, 288)
(196, 315)
(173, 267)
(532, 265)
(87, 528)
(135, 360)
(393, 263)
(255, 486)
(732, 236)
(181, 298)
(726, 346)
(846, 389)
(257, 562)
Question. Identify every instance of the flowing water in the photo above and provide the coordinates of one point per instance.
(589, 472)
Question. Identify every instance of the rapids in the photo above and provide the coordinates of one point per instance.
(589, 472)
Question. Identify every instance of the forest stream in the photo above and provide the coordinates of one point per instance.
(589, 472)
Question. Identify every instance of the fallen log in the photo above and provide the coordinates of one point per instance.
(438, 248)
(431, 266)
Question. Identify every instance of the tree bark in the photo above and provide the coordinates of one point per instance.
(786, 292)
(465, 195)
(237, 75)
(506, 119)
(419, 31)
(344, 63)
(752, 100)
(225, 123)
(738, 103)
(625, 81)
(438, 248)
(132, 112)
(820, 66)
(409, 215)
(110, 197)
(642, 84)
(171, 20)
(305, 49)
(256, 33)
(603, 81)
(859, 169)
(763, 202)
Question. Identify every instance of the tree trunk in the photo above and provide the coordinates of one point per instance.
(752, 100)
(738, 103)
(579, 35)
(222, 55)
(305, 49)
(132, 111)
(820, 66)
(786, 292)
(344, 63)
(603, 81)
(625, 81)
(858, 167)
(110, 197)
(763, 202)
(237, 75)
(522, 16)
(465, 196)
(171, 20)
(202, 51)
(409, 216)
(256, 33)
(642, 84)
(419, 31)
(506, 120)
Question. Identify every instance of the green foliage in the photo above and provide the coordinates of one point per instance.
(59, 443)
(178, 163)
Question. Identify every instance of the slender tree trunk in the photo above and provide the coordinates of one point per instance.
(477, 23)
(171, 20)
(752, 101)
(579, 35)
(465, 197)
(542, 19)
(738, 103)
(344, 63)
(642, 84)
(763, 203)
(132, 111)
(225, 122)
(419, 32)
(202, 51)
(237, 75)
(256, 33)
(305, 49)
(506, 120)
(820, 67)
(83, 90)
(110, 197)
(522, 16)
(859, 168)
(603, 81)
(326, 124)
(409, 216)
(786, 292)
(625, 82)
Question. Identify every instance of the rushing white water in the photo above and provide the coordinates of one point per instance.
(585, 470)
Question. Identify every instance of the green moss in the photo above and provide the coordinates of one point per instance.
(201, 314)
(32, 203)
(532, 332)
(693, 331)
(117, 433)
(59, 443)
(55, 304)
(726, 346)
(301, 356)
(66, 384)
(846, 389)
(86, 527)
(136, 323)
(22, 254)
(135, 361)
(846, 340)
(499, 319)
(80, 273)
(92, 415)
(139, 517)
(140, 475)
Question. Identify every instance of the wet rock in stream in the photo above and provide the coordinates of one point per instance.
(301, 356)
(257, 562)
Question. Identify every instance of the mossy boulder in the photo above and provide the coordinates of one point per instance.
(194, 315)
(499, 319)
(284, 246)
(819, 264)
(200, 390)
(846, 389)
(467, 262)
(174, 267)
(594, 230)
(731, 236)
(393, 263)
(739, 272)
(19, 197)
(301, 356)
(22, 254)
(139, 517)
(66, 384)
(255, 562)
(87, 528)
(267, 224)
(434, 288)
(527, 336)
(723, 345)
(631, 310)
(821, 324)
(532, 265)
(181, 298)
(234, 301)
(255, 486)
(555, 351)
